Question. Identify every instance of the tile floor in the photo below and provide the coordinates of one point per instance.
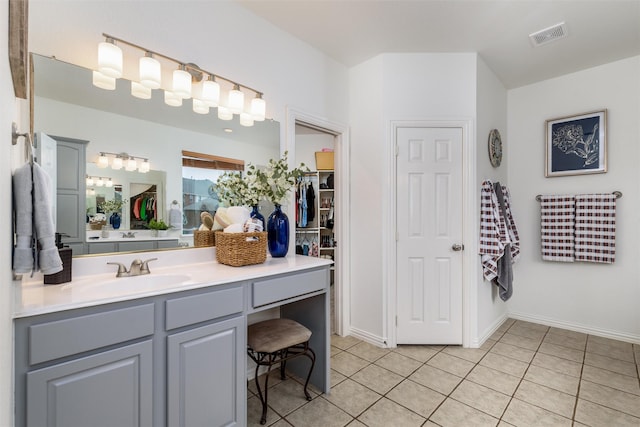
(525, 375)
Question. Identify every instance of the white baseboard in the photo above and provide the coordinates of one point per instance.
(368, 337)
(482, 338)
(632, 338)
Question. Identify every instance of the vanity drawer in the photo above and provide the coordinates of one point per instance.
(202, 307)
(52, 340)
(282, 288)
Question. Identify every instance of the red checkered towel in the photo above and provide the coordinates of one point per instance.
(595, 228)
(557, 225)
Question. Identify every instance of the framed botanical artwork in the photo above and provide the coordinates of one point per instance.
(576, 145)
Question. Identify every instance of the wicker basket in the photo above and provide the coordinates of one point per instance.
(234, 249)
(204, 238)
(97, 225)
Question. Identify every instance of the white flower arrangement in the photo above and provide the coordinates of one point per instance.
(111, 205)
(273, 183)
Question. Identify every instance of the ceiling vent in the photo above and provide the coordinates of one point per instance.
(548, 35)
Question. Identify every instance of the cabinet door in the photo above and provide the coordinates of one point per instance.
(141, 245)
(101, 248)
(206, 376)
(113, 388)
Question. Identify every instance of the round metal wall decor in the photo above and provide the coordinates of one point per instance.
(495, 148)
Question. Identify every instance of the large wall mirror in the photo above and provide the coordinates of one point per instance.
(67, 107)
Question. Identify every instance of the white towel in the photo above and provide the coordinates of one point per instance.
(595, 228)
(23, 252)
(557, 225)
(49, 260)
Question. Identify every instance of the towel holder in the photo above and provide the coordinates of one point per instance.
(616, 193)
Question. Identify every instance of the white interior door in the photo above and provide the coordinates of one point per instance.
(429, 235)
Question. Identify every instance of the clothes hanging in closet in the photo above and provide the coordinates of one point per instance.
(311, 203)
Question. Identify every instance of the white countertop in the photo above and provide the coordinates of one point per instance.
(195, 268)
(95, 236)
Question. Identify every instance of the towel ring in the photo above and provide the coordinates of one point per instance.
(616, 193)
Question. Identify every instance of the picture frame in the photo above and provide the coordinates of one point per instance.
(576, 145)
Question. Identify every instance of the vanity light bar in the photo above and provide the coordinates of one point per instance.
(206, 94)
(121, 160)
(98, 181)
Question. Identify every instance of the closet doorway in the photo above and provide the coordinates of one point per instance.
(325, 235)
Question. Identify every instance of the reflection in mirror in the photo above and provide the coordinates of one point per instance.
(66, 104)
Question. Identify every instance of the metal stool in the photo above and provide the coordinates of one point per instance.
(275, 341)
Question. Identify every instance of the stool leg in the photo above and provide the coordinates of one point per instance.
(283, 365)
(311, 355)
(263, 399)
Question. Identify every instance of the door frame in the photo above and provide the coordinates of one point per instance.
(469, 215)
(341, 167)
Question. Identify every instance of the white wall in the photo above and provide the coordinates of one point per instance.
(593, 297)
(491, 114)
(388, 88)
(308, 143)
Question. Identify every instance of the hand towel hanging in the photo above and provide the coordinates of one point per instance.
(557, 225)
(595, 228)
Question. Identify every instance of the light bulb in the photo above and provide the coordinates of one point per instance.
(89, 181)
(109, 183)
(144, 166)
(246, 119)
(103, 82)
(117, 163)
(99, 182)
(110, 59)
(172, 99)
(224, 113)
(131, 165)
(200, 106)
(258, 108)
(236, 100)
(211, 92)
(103, 161)
(140, 91)
(182, 83)
(150, 71)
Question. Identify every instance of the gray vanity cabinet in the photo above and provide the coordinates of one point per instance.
(112, 388)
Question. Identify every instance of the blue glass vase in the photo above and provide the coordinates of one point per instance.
(278, 233)
(255, 213)
(115, 220)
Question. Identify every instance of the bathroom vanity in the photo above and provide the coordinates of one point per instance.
(164, 349)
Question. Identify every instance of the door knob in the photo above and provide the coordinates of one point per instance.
(456, 247)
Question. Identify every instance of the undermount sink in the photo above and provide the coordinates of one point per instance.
(146, 282)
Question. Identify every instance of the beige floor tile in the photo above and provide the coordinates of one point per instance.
(352, 397)
(455, 414)
(335, 350)
(367, 351)
(356, 423)
(611, 364)
(566, 341)
(504, 364)
(347, 364)
(416, 397)
(482, 398)
(377, 379)
(274, 379)
(436, 379)
(470, 354)
(546, 398)
(557, 364)
(504, 424)
(488, 344)
(287, 396)
(421, 353)
(281, 423)
(611, 379)
(520, 341)
(385, 413)
(319, 413)
(254, 413)
(611, 398)
(495, 380)
(522, 414)
(636, 350)
(523, 331)
(497, 335)
(401, 365)
(568, 333)
(518, 353)
(344, 342)
(621, 353)
(609, 342)
(594, 415)
(336, 378)
(563, 352)
(451, 364)
(530, 325)
(555, 380)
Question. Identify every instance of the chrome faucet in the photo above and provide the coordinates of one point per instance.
(138, 268)
(129, 235)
